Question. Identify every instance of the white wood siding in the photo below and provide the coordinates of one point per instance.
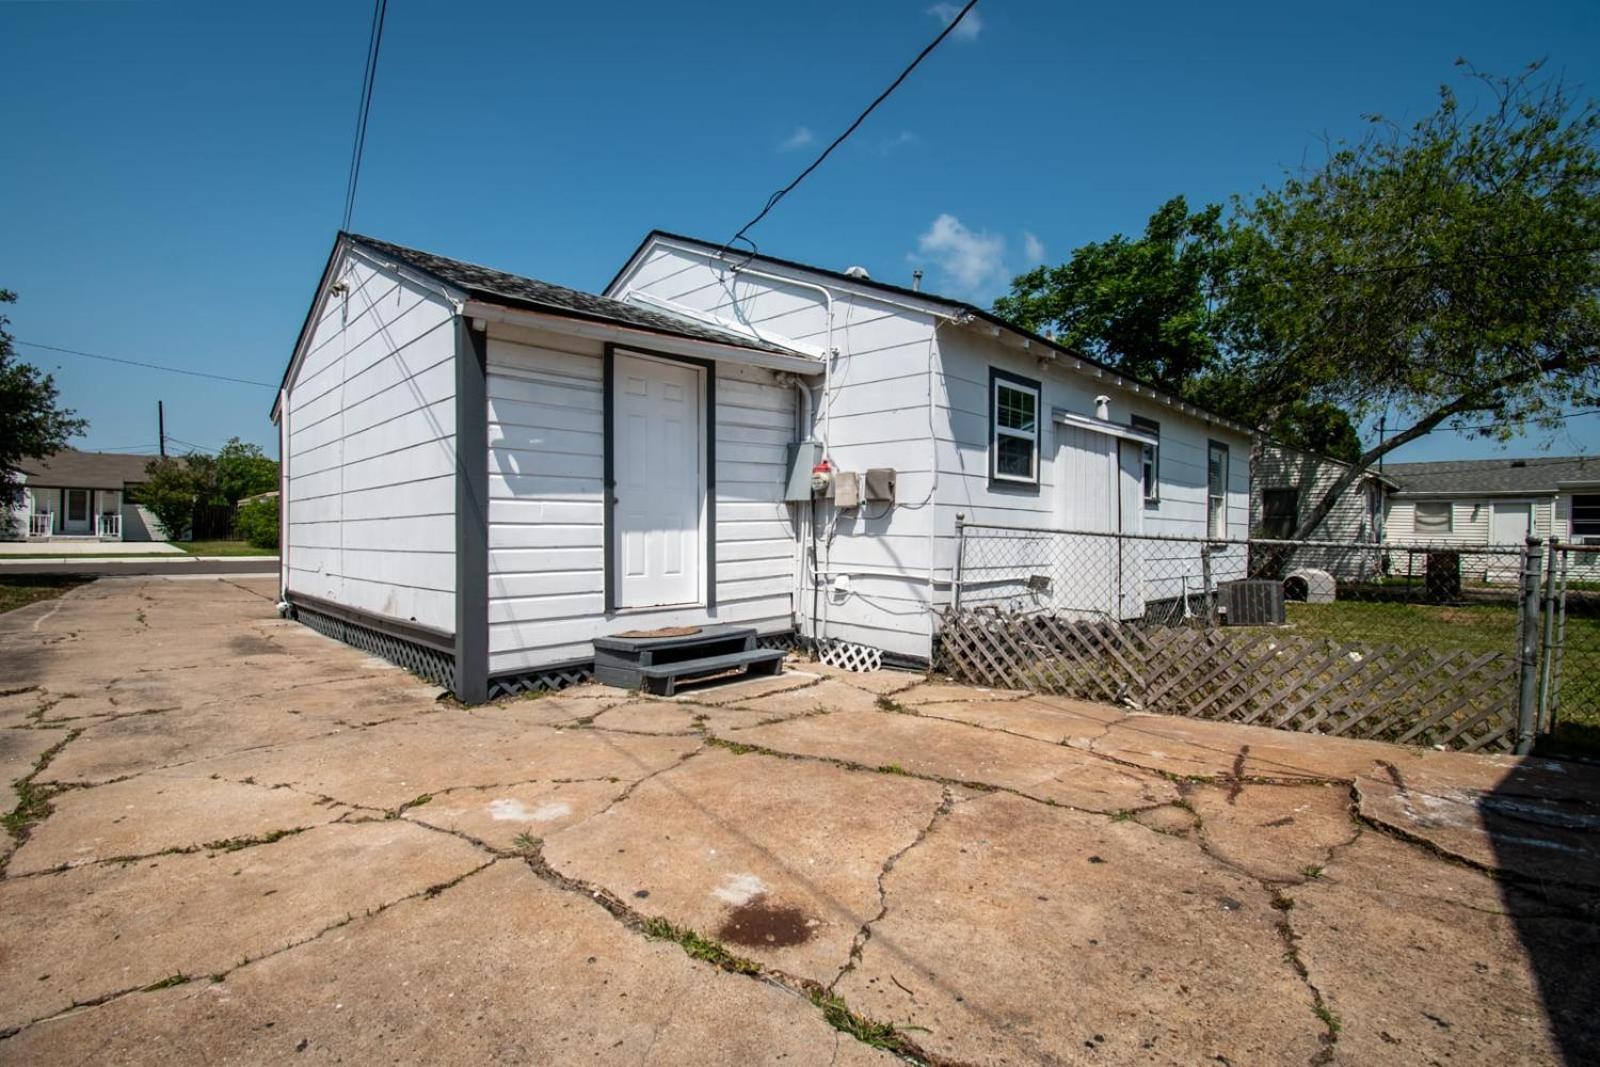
(370, 484)
(546, 519)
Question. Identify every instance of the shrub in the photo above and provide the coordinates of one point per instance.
(257, 522)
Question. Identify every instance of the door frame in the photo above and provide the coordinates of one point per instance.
(708, 477)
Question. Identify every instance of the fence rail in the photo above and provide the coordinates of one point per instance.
(1459, 646)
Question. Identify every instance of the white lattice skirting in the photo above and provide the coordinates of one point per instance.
(850, 657)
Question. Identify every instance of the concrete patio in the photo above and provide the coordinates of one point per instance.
(238, 841)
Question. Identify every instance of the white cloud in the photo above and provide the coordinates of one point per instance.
(970, 26)
(802, 137)
(900, 140)
(974, 261)
(1032, 248)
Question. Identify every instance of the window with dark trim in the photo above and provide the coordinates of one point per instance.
(1013, 429)
(1280, 512)
(1216, 489)
(1586, 516)
(1150, 458)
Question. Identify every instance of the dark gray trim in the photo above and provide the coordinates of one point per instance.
(472, 514)
(996, 375)
(425, 636)
(608, 377)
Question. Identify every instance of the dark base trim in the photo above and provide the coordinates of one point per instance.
(425, 636)
(541, 679)
(427, 663)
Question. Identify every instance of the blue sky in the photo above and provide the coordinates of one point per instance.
(173, 174)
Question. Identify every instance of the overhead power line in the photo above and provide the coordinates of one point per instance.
(147, 366)
(772, 201)
(380, 8)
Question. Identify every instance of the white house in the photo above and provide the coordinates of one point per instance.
(485, 473)
(75, 495)
(1287, 482)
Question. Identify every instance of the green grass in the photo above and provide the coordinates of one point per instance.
(19, 590)
(223, 548)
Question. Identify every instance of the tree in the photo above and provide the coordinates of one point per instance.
(257, 522)
(244, 470)
(1447, 273)
(1155, 308)
(169, 493)
(32, 424)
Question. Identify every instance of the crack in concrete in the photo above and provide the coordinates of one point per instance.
(222, 845)
(427, 892)
(858, 945)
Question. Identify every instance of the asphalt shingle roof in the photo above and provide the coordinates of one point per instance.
(513, 290)
(72, 469)
(1542, 474)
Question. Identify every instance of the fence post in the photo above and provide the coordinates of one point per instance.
(1528, 639)
(1205, 585)
(961, 550)
(1547, 638)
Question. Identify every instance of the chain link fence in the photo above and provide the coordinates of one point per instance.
(1415, 643)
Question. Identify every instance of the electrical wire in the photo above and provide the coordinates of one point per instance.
(772, 201)
(380, 9)
(147, 366)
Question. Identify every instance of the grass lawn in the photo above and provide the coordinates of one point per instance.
(1475, 628)
(223, 548)
(23, 589)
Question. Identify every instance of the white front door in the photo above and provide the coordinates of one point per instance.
(658, 465)
(1510, 522)
(75, 519)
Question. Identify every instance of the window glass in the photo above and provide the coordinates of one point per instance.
(1217, 490)
(1280, 512)
(1014, 425)
(1586, 515)
(1150, 459)
(1433, 516)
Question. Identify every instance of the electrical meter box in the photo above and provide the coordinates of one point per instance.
(802, 457)
(879, 485)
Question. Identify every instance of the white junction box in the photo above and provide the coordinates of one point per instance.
(846, 489)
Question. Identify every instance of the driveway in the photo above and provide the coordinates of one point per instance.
(242, 842)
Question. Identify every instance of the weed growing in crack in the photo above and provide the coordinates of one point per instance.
(417, 803)
(166, 983)
(1329, 1019)
(527, 843)
(700, 948)
(1313, 871)
(234, 844)
(893, 768)
(732, 746)
(865, 1030)
(33, 801)
(1124, 815)
(885, 703)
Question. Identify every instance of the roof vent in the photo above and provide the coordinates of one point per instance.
(856, 272)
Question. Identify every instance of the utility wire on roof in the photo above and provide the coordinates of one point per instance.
(147, 366)
(772, 201)
(380, 8)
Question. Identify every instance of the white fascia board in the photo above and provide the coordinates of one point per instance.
(1105, 426)
(648, 340)
(672, 307)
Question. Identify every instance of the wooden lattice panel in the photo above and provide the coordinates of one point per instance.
(851, 657)
(1265, 676)
(426, 663)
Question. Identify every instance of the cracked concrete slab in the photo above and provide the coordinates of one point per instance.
(930, 692)
(650, 717)
(961, 753)
(1018, 933)
(1420, 963)
(500, 968)
(386, 766)
(828, 694)
(90, 932)
(1070, 723)
(884, 682)
(154, 812)
(499, 815)
(553, 709)
(734, 847)
(1278, 833)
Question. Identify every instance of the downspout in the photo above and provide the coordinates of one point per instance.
(933, 491)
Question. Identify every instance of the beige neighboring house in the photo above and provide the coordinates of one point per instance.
(73, 495)
(1286, 483)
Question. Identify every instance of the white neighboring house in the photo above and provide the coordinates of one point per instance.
(497, 471)
(1498, 501)
(1287, 482)
(75, 495)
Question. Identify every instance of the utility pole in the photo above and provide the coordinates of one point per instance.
(161, 427)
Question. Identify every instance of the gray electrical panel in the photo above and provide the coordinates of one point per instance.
(879, 484)
(802, 457)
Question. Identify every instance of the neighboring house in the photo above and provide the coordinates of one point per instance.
(72, 494)
(1498, 501)
(497, 471)
(1287, 483)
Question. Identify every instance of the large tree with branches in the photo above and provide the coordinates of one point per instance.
(32, 423)
(1446, 273)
